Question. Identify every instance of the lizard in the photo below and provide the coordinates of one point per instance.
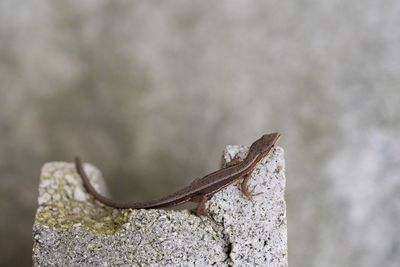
(201, 189)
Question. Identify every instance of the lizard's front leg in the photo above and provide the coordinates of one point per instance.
(244, 187)
(234, 161)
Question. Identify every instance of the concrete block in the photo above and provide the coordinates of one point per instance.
(72, 229)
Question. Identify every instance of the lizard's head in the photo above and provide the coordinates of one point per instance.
(263, 145)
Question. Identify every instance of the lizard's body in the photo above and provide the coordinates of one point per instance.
(200, 189)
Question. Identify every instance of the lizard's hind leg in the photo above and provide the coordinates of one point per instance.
(201, 205)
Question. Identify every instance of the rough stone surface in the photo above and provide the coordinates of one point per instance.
(72, 229)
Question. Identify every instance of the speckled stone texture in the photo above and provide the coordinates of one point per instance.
(72, 229)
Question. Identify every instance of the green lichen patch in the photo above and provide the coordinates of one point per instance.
(64, 202)
(101, 220)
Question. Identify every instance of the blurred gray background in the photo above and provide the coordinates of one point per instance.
(152, 91)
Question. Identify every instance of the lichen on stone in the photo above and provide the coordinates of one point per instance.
(61, 206)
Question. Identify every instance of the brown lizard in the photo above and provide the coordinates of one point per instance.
(201, 189)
